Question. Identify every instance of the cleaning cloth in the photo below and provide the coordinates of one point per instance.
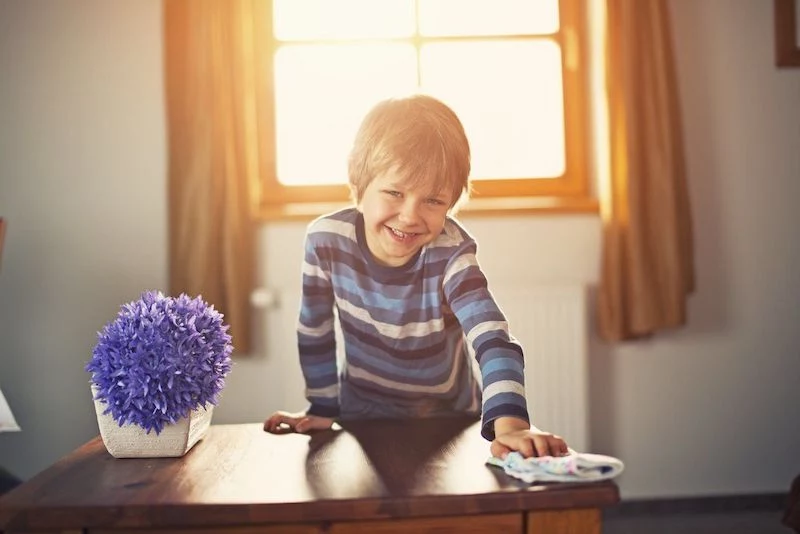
(574, 467)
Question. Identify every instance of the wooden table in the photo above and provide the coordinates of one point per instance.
(370, 477)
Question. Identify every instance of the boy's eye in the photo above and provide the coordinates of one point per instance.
(435, 202)
(392, 193)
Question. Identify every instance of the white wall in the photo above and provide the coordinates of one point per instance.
(82, 181)
(709, 409)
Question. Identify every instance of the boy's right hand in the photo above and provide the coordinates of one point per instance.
(284, 422)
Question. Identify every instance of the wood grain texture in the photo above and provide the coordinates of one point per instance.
(319, 528)
(581, 521)
(485, 524)
(240, 475)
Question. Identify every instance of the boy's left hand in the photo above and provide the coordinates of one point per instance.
(513, 434)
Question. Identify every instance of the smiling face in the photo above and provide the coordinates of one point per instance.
(401, 216)
(409, 166)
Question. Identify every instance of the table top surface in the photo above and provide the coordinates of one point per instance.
(239, 474)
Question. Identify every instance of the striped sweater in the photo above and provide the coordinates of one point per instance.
(409, 333)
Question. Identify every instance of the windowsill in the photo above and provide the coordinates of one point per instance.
(480, 207)
(499, 207)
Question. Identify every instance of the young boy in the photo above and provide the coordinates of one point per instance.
(409, 294)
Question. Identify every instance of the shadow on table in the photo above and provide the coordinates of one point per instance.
(381, 457)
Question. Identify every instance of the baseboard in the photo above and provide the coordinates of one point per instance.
(7, 481)
(700, 505)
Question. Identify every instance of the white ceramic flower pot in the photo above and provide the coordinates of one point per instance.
(132, 441)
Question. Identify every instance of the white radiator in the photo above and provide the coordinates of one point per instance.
(551, 323)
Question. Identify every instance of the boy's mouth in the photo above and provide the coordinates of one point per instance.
(402, 235)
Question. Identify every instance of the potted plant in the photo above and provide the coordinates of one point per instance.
(157, 372)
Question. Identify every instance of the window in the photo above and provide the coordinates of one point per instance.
(513, 70)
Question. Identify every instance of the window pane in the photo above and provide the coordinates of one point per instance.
(321, 94)
(509, 97)
(342, 19)
(484, 17)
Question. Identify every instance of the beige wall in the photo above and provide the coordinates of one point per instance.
(710, 409)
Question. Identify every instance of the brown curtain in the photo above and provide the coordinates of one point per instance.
(210, 72)
(647, 263)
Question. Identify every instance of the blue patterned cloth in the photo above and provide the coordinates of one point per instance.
(574, 467)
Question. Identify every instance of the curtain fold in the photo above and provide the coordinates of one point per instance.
(210, 66)
(647, 256)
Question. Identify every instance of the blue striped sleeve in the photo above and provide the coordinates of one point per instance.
(499, 355)
(316, 341)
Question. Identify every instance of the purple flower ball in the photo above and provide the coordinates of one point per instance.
(160, 359)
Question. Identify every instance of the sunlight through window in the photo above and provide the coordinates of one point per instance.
(508, 95)
(499, 64)
(481, 17)
(321, 94)
(342, 19)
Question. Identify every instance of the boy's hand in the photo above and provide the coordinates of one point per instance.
(512, 434)
(285, 422)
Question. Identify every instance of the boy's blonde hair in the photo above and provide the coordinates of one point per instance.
(418, 136)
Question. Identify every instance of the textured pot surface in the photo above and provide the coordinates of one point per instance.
(132, 441)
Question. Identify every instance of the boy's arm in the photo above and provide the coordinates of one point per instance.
(498, 354)
(505, 416)
(315, 337)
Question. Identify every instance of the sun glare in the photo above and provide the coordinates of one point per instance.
(342, 19)
(335, 59)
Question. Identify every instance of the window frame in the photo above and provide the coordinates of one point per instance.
(569, 193)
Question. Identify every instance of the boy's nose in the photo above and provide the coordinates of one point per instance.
(408, 212)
